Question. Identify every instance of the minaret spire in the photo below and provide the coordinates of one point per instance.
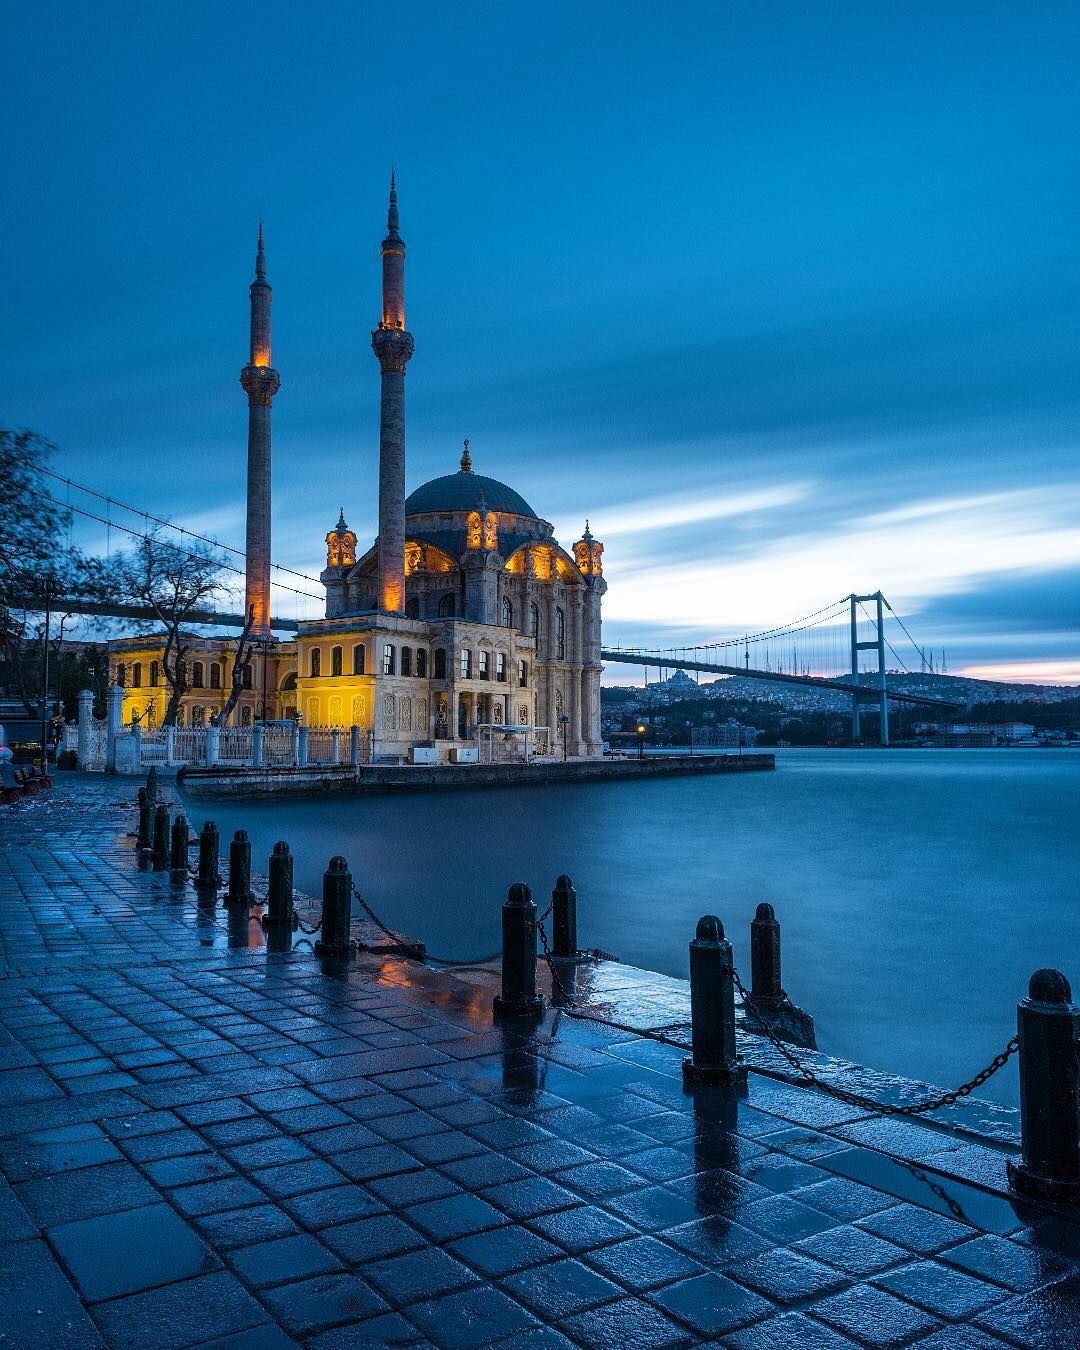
(260, 382)
(393, 346)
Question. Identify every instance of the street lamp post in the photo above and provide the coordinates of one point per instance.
(641, 740)
(45, 678)
(563, 720)
(690, 730)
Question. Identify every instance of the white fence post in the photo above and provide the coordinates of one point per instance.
(213, 746)
(335, 746)
(170, 746)
(302, 748)
(86, 713)
(354, 745)
(115, 722)
(258, 735)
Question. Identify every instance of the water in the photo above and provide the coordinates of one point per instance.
(917, 890)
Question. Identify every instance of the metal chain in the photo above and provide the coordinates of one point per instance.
(307, 928)
(868, 1103)
(404, 942)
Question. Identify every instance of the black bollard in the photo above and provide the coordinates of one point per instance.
(1048, 1026)
(178, 860)
(209, 848)
(279, 900)
(712, 1008)
(146, 821)
(161, 839)
(239, 892)
(765, 987)
(336, 910)
(519, 997)
(564, 918)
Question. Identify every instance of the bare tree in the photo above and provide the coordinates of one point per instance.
(172, 581)
(245, 650)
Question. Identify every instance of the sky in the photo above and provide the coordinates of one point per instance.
(783, 297)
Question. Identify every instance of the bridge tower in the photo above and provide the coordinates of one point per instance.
(878, 645)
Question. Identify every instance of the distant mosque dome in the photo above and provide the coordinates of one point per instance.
(461, 491)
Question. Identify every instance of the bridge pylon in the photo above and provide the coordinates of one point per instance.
(878, 645)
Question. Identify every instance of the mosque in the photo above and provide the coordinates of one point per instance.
(465, 618)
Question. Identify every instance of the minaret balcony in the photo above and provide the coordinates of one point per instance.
(260, 383)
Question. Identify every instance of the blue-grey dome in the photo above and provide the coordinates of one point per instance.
(461, 492)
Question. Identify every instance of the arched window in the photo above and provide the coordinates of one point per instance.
(465, 663)
(121, 674)
(197, 676)
(438, 671)
(335, 660)
(421, 662)
(483, 670)
(316, 662)
(523, 674)
(507, 613)
(215, 675)
(358, 659)
(247, 678)
(406, 660)
(560, 635)
(388, 660)
(197, 715)
(500, 667)
(136, 675)
(447, 606)
(155, 674)
(534, 621)
(412, 607)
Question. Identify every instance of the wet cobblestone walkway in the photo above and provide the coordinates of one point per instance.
(203, 1143)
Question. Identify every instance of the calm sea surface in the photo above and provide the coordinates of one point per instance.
(917, 889)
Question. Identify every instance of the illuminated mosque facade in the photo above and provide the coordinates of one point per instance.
(465, 618)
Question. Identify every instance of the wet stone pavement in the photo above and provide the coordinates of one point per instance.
(206, 1143)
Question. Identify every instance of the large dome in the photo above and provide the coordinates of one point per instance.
(461, 492)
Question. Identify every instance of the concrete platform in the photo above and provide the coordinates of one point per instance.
(203, 1143)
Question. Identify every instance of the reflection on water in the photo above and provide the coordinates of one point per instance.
(917, 890)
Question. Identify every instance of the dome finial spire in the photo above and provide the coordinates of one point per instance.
(260, 257)
(466, 458)
(392, 221)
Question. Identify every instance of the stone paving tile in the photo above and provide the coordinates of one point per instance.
(228, 1147)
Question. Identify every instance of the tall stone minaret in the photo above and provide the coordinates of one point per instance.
(393, 346)
(260, 382)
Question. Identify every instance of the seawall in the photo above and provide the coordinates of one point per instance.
(375, 778)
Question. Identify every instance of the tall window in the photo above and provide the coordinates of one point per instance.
(215, 675)
(482, 663)
(197, 676)
(507, 613)
(447, 606)
(155, 673)
(358, 659)
(388, 660)
(500, 666)
(335, 660)
(523, 674)
(316, 662)
(421, 662)
(534, 621)
(406, 660)
(560, 635)
(245, 716)
(136, 675)
(121, 674)
(247, 678)
(197, 716)
(438, 671)
(465, 663)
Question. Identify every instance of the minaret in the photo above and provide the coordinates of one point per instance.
(260, 382)
(393, 346)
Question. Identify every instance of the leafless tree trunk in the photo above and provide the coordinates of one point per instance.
(242, 661)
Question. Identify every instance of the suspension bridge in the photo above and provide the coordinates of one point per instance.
(840, 647)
